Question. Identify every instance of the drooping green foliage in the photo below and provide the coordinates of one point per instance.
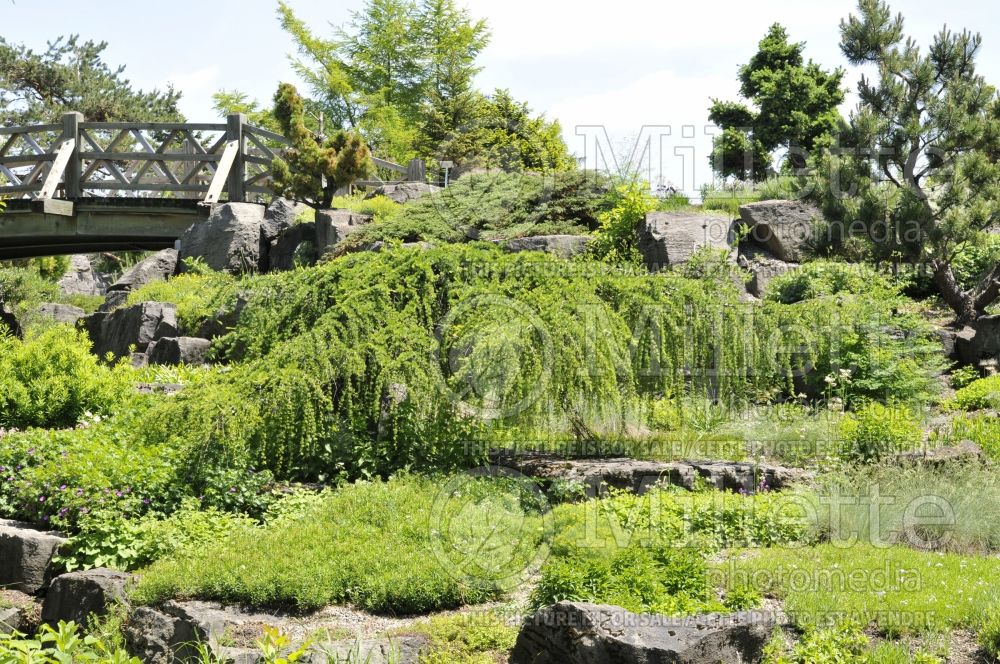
(314, 169)
(794, 107)
(921, 169)
(72, 76)
(616, 240)
(495, 206)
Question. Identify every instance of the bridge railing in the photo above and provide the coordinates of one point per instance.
(76, 159)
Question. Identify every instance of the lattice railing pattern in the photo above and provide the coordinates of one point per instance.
(26, 156)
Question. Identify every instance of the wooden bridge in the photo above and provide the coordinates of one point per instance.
(78, 187)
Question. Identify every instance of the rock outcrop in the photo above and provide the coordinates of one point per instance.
(671, 238)
(332, 226)
(763, 267)
(293, 245)
(78, 595)
(563, 246)
(230, 239)
(26, 556)
(158, 267)
(405, 191)
(178, 350)
(61, 313)
(138, 325)
(639, 476)
(81, 279)
(787, 229)
(578, 633)
(979, 341)
(281, 215)
(9, 324)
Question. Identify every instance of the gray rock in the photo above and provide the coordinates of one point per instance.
(61, 313)
(397, 650)
(965, 452)
(563, 246)
(332, 226)
(9, 323)
(597, 475)
(10, 620)
(80, 278)
(230, 239)
(280, 215)
(138, 325)
(156, 637)
(295, 243)
(158, 267)
(785, 228)
(763, 268)
(26, 556)
(78, 595)
(223, 321)
(979, 341)
(578, 633)
(405, 191)
(179, 350)
(113, 300)
(671, 238)
(949, 340)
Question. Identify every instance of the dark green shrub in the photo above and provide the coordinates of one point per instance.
(822, 278)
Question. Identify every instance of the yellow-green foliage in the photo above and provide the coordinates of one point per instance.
(896, 590)
(59, 645)
(381, 208)
(370, 544)
(480, 637)
(197, 296)
(51, 379)
(875, 431)
(983, 393)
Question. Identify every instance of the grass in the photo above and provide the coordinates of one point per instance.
(381, 209)
(480, 637)
(896, 591)
(983, 430)
(403, 546)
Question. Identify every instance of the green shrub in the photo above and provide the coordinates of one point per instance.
(52, 379)
(973, 259)
(198, 296)
(381, 209)
(822, 278)
(982, 429)
(60, 645)
(616, 239)
(989, 633)
(980, 394)
(465, 638)
(876, 431)
(338, 553)
(963, 377)
(843, 644)
(496, 206)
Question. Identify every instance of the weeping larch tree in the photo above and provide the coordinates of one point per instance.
(932, 125)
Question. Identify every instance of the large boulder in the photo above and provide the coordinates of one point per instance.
(979, 341)
(563, 246)
(404, 191)
(61, 313)
(179, 350)
(9, 323)
(26, 556)
(763, 268)
(10, 620)
(230, 239)
(138, 325)
(578, 633)
(785, 228)
(156, 637)
(281, 215)
(671, 238)
(78, 595)
(80, 278)
(159, 267)
(292, 245)
(223, 321)
(332, 226)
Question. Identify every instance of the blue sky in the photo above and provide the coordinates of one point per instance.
(617, 65)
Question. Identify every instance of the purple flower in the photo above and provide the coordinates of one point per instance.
(41, 499)
(62, 487)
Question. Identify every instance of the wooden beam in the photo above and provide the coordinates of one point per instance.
(222, 173)
(72, 168)
(58, 168)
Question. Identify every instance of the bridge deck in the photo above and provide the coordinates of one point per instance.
(43, 228)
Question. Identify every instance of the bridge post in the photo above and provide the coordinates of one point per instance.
(416, 171)
(237, 174)
(71, 176)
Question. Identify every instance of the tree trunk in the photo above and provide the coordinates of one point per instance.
(988, 290)
(963, 303)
